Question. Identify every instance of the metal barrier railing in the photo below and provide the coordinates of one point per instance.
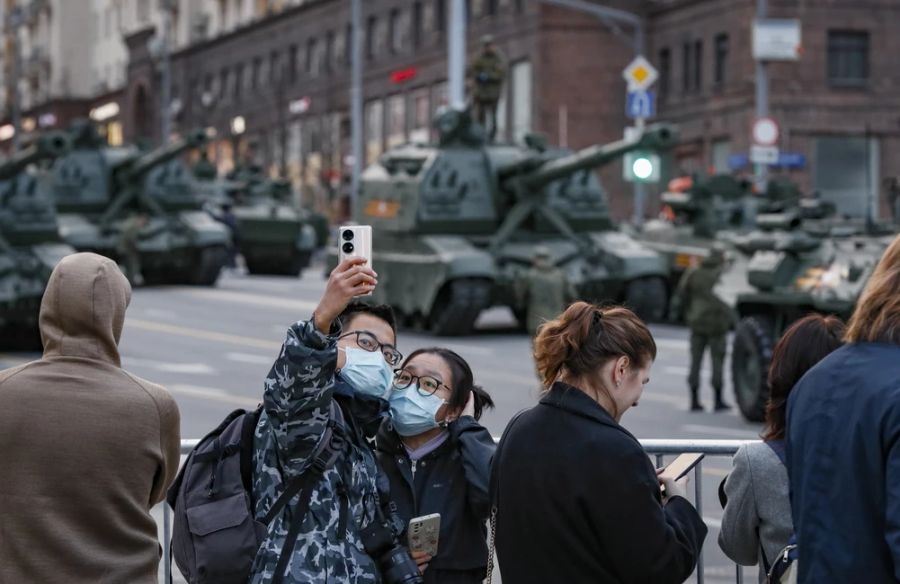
(655, 447)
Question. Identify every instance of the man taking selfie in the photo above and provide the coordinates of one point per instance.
(324, 396)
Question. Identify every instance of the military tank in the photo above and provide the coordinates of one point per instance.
(455, 225)
(795, 269)
(30, 246)
(276, 235)
(98, 189)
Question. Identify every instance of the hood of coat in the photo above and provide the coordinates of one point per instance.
(83, 309)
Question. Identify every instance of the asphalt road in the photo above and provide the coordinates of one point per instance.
(212, 347)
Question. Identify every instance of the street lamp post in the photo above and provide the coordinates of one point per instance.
(165, 72)
(356, 102)
(15, 20)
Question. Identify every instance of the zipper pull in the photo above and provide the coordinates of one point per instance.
(413, 467)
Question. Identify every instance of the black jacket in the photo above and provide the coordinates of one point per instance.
(579, 502)
(453, 481)
(843, 460)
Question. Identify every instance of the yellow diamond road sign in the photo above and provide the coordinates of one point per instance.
(640, 74)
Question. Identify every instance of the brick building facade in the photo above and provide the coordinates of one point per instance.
(283, 83)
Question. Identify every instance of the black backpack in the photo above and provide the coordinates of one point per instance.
(215, 536)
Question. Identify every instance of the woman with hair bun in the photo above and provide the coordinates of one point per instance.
(577, 498)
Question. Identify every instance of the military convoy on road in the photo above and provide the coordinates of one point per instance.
(456, 224)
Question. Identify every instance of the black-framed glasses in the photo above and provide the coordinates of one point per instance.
(367, 342)
(427, 385)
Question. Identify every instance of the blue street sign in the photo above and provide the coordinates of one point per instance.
(788, 160)
(640, 104)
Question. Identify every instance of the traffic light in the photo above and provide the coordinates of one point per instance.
(641, 166)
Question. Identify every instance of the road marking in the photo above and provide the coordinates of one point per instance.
(507, 377)
(248, 358)
(182, 331)
(186, 368)
(719, 431)
(214, 394)
(673, 344)
(663, 398)
(160, 313)
(300, 306)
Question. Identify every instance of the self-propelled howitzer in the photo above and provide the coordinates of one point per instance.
(102, 190)
(456, 224)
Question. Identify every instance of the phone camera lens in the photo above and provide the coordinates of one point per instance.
(348, 247)
(347, 235)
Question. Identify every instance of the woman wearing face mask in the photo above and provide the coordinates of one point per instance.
(437, 458)
(577, 498)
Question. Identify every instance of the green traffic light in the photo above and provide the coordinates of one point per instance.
(642, 168)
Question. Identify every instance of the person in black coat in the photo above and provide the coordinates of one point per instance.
(843, 445)
(438, 459)
(577, 498)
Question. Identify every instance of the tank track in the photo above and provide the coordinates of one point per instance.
(458, 305)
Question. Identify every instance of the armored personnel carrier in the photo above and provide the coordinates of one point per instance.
(30, 246)
(276, 236)
(98, 189)
(455, 225)
(817, 268)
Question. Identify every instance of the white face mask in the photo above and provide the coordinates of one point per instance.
(367, 372)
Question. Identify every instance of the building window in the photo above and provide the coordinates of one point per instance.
(721, 153)
(520, 98)
(417, 24)
(848, 57)
(396, 120)
(476, 7)
(238, 78)
(313, 60)
(698, 65)
(329, 49)
(440, 15)
(419, 115)
(490, 7)
(665, 72)
(371, 26)
(396, 32)
(348, 45)
(275, 72)
(256, 75)
(293, 54)
(721, 59)
(685, 67)
(374, 125)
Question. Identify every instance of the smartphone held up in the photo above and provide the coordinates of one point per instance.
(355, 241)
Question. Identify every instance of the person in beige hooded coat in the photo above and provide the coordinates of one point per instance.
(86, 448)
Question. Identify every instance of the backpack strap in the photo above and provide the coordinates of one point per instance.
(494, 492)
(326, 454)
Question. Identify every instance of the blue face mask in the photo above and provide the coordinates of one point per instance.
(367, 372)
(413, 413)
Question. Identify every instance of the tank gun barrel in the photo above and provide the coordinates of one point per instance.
(49, 145)
(655, 137)
(134, 168)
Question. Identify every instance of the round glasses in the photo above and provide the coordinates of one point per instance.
(427, 385)
(367, 342)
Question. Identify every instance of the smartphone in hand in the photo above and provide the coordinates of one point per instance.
(355, 241)
(423, 532)
(679, 467)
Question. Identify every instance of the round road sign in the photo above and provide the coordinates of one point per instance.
(765, 132)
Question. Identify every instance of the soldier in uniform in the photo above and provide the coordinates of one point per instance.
(709, 319)
(546, 290)
(487, 74)
(204, 169)
(127, 246)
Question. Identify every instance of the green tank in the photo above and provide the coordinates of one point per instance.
(455, 225)
(30, 246)
(98, 189)
(797, 267)
(276, 236)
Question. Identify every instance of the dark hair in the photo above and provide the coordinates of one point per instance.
(585, 337)
(877, 315)
(805, 343)
(382, 311)
(463, 380)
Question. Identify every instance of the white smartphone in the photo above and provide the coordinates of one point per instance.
(355, 241)
(423, 532)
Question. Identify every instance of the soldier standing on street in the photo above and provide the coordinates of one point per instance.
(487, 74)
(127, 246)
(709, 319)
(546, 290)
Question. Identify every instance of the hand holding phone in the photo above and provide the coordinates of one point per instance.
(423, 532)
(355, 241)
(676, 470)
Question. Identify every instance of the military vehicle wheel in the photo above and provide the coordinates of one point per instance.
(210, 262)
(647, 297)
(458, 305)
(751, 352)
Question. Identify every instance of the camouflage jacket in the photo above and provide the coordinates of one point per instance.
(704, 312)
(547, 293)
(487, 73)
(298, 392)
